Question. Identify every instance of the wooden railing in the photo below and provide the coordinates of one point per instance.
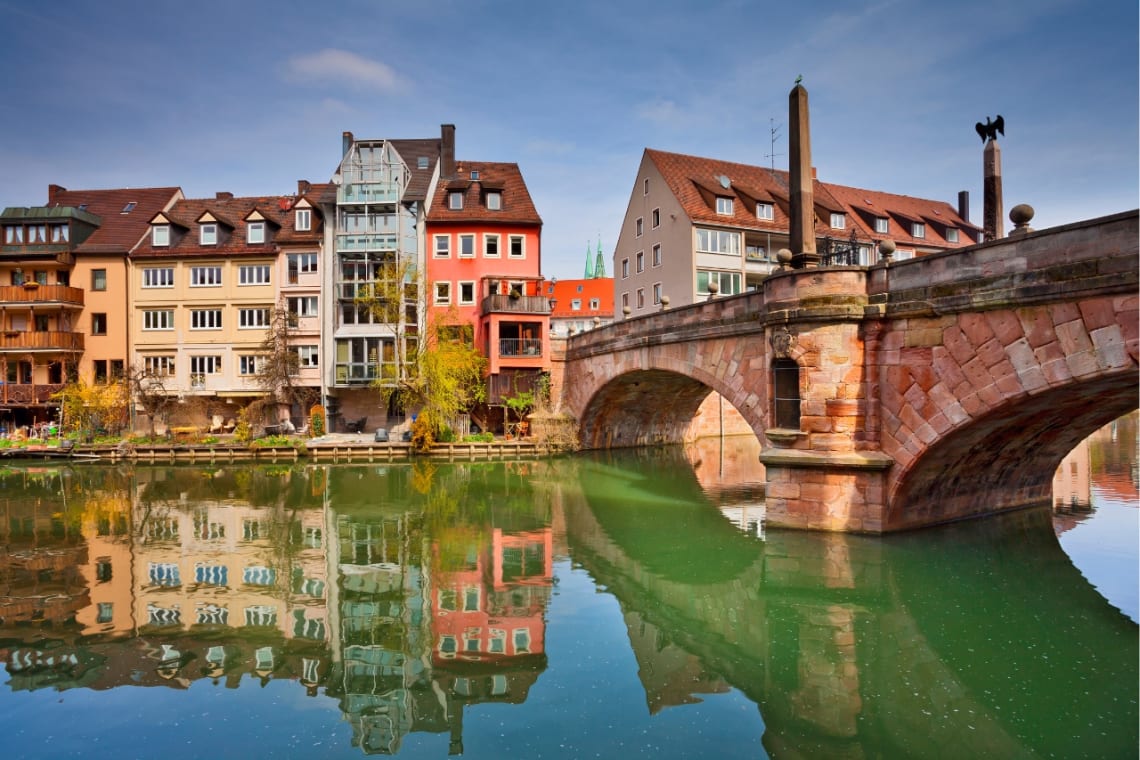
(13, 393)
(32, 292)
(14, 340)
(516, 304)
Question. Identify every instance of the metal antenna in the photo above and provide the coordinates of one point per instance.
(773, 135)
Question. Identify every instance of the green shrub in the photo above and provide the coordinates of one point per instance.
(479, 438)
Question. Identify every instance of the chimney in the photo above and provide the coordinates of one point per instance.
(303, 186)
(53, 190)
(223, 196)
(346, 141)
(447, 151)
(964, 205)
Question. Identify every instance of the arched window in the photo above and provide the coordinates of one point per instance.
(786, 393)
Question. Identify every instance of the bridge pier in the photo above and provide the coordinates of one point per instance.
(832, 491)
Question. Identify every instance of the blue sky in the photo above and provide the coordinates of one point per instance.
(249, 97)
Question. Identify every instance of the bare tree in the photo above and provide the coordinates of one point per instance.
(148, 390)
(278, 368)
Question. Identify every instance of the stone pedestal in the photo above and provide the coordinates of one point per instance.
(837, 491)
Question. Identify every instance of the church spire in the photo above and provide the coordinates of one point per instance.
(600, 263)
(589, 263)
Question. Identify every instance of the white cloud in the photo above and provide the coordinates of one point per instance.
(332, 66)
(661, 110)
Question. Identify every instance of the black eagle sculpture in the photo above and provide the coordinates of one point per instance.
(991, 129)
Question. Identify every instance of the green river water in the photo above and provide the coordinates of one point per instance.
(626, 605)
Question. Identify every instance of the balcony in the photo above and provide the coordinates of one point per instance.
(13, 393)
(361, 241)
(520, 347)
(47, 340)
(34, 293)
(516, 304)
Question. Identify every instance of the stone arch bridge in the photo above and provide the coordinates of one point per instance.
(929, 390)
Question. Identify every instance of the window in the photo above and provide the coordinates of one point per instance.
(491, 245)
(42, 323)
(466, 246)
(655, 218)
(576, 304)
(249, 318)
(158, 277)
(838, 221)
(474, 174)
(951, 235)
(37, 233)
(206, 319)
(656, 292)
(728, 283)
(466, 293)
(639, 226)
(595, 304)
(208, 234)
(625, 300)
(308, 356)
(13, 234)
(442, 293)
(253, 274)
(254, 232)
(249, 364)
(159, 366)
(41, 276)
(421, 162)
(129, 207)
(718, 241)
(657, 255)
(204, 277)
(455, 200)
(59, 233)
(205, 365)
(303, 306)
(918, 230)
(303, 220)
(494, 201)
(98, 324)
(641, 261)
(786, 393)
(305, 263)
(99, 369)
(158, 319)
(724, 206)
(641, 298)
(98, 279)
(517, 246)
(765, 211)
(624, 268)
(442, 246)
(645, 186)
(882, 225)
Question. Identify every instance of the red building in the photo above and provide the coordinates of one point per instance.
(580, 305)
(484, 260)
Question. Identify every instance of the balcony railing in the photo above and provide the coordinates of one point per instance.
(15, 340)
(520, 347)
(17, 393)
(34, 293)
(516, 304)
(361, 241)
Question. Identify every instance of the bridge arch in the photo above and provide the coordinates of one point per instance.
(1002, 400)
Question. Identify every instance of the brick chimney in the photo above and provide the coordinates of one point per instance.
(303, 186)
(223, 196)
(447, 151)
(54, 190)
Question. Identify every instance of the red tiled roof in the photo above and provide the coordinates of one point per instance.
(687, 176)
(517, 206)
(119, 232)
(411, 150)
(566, 291)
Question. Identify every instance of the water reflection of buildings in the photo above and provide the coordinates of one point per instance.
(165, 576)
(1072, 489)
(729, 472)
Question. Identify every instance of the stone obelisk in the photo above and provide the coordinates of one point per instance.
(802, 204)
(992, 216)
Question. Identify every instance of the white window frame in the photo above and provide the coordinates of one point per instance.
(838, 221)
(206, 319)
(159, 366)
(303, 220)
(725, 206)
(918, 230)
(205, 364)
(488, 239)
(521, 241)
(255, 274)
(158, 319)
(441, 248)
(254, 233)
(656, 261)
(656, 293)
(466, 245)
(951, 234)
(455, 200)
(575, 304)
(717, 241)
(160, 235)
(254, 317)
(639, 226)
(595, 304)
(720, 276)
(208, 233)
(250, 364)
(640, 262)
(494, 200)
(765, 211)
(645, 186)
(441, 293)
(158, 277)
(464, 299)
(208, 276)
(304, 306)
(882, 225)
(625, 268)
(641, 298)
(625, 300)
(655, 218)
(308, 356)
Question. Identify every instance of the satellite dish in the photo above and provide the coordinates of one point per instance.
(725, 182)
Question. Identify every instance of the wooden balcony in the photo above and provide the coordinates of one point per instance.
(34, 293)
(15, 340)
(33, 395)
(516, 304)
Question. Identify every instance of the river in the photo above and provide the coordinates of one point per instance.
(628, 604)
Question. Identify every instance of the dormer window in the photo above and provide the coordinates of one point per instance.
(455, 200)
(494, 201)
(128, 208)
(422, 162)
(951, 234)
(474, 174)
(724, 206)
(160, 235)
(255, 232)
(208, 234)
(838, 221)
(918, 230)
(882, 225)
(13, 234)
(765, 211)
(303, 221)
